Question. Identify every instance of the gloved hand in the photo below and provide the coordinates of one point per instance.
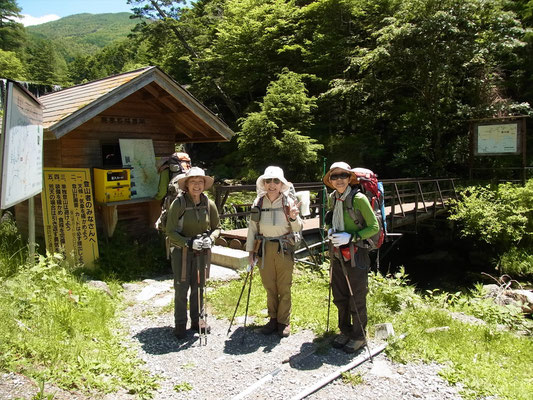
(330, 232)
(207, 243)
(340, 238)
(197, 244)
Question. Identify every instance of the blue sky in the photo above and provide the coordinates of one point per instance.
(41, 11)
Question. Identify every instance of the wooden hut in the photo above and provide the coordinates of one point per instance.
(83, 125)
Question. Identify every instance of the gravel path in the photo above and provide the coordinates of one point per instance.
(228, 366)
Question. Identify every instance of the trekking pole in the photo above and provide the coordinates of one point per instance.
(310, 253)
(330, 249)
(329, 298)
(238, 302)
(248, 299)
(200, 305)
(352, 299)
(207, 253)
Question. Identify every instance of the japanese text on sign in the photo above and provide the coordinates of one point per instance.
(68, 214)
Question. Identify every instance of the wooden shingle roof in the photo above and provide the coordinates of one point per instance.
(69, 108)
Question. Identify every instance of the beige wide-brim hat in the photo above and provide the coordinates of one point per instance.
(271, 173)
(344, 167)
(195, 172)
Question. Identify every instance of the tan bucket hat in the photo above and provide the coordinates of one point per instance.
(195, 172)
(343, 166)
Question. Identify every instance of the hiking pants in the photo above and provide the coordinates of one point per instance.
(276, 275)
(194, 261)
(349, 323)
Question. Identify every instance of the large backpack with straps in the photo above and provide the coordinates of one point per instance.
(373, 190)
(176, 169)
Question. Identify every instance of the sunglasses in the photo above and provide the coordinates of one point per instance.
(339, 176)
(275, 180)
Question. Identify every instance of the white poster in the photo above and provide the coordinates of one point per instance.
(139, 154)
(497, 139)
(22, 147)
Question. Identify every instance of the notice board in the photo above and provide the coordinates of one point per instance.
(68, 214)
(497, 139)
(22, 146)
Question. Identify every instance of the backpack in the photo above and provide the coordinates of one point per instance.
(175, 171)
(175, 164)
(373, 190)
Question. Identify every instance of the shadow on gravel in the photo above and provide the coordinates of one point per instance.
(161, 340)
(252, 341)
(310, 357)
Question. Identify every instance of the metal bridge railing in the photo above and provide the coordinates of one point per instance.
(403, 197)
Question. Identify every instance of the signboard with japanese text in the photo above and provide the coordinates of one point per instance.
(22, 146)
(68, 214)
(502, 138)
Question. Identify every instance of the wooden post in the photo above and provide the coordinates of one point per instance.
(31, 230)
(110, 219)
(524, 151)
(471, 151)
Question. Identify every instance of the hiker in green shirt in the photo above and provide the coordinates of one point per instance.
(192, 227)
(349, 263)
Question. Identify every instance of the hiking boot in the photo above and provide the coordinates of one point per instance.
(284, 330)
(197, 325)
(340, 341)
(353, 345)
(270, 327)
(180, 331)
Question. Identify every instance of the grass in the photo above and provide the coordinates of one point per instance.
(353, 379)
(55, 328)
(58, 329)
(493, 359)
(307, 290)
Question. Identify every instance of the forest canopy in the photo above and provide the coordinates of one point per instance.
(390, 85)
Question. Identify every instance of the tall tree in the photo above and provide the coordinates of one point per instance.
(276, 134)
(45, 66)
(432, 66)
(12, 33)
(170, 16)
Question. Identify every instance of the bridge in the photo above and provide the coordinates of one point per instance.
(407, 203)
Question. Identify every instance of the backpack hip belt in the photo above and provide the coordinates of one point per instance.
(283, 240)
(347, 252)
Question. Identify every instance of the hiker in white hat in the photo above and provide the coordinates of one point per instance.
(273, 227)
(192, 227)
(349, 262)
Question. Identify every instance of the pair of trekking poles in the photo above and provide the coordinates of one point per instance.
(202, 314)
(249, 275)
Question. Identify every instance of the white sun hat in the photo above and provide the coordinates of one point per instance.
(272, 172)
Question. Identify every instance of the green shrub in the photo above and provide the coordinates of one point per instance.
(501, 216)
(125, 258)
(496, 215)
(13, 251)
(517, 262)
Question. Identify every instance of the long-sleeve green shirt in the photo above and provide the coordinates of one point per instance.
(196, 220)
(361, 203)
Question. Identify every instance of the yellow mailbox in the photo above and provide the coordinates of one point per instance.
(112, 185)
